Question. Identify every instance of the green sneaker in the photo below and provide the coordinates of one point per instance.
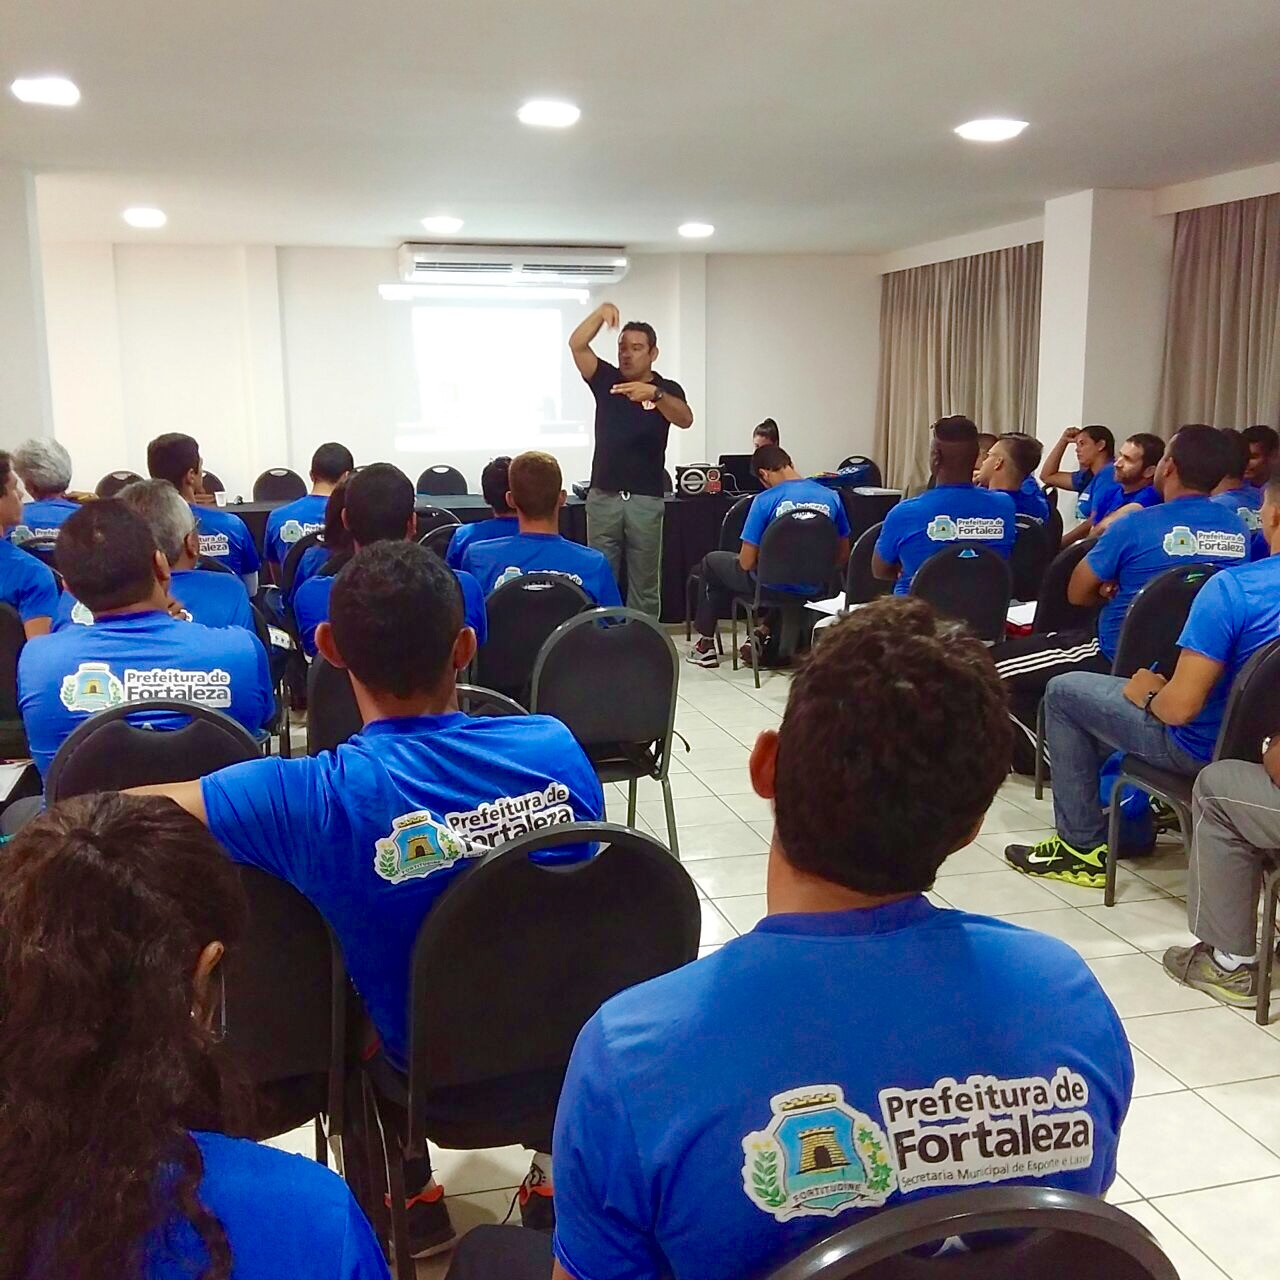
(1055, 859)
(1195, 966)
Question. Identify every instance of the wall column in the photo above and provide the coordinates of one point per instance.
(25, 401)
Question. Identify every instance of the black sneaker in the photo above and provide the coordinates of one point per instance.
(429, 1226)
(537, 1207)
(1055, 859)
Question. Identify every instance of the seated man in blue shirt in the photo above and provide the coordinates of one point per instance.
(44, 467)
(208, 597)
(1238, 495)
(860, 1048)
(135, 651)
(223, 536)
(1009, 467)
(293, 521)
(1095, 447)
(378, 502)
(1185, 526)
(27, 585)
(536, 493)
(724, 574)
(495, 481)
(1264, 446)
(1135, 470)
(376, 831)
(954, 510)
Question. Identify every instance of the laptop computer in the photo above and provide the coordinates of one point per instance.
(738, 465)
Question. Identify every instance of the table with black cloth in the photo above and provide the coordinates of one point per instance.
(691, 528)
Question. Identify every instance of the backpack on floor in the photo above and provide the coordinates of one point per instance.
(1137, 823)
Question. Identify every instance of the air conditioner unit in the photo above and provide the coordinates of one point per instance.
(515, 265)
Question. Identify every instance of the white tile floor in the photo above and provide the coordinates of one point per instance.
(1199, 1159)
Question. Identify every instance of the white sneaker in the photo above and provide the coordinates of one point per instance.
(703, 654)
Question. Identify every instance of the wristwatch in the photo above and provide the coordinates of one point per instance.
(1146, 702)
(658, 393)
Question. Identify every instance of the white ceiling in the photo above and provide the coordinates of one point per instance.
(800, 125)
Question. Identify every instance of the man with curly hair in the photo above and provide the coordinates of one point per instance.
(860, 1047)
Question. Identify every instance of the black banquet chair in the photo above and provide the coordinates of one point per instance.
(278, 484)
(430, 518)
(1060, 1235)
(487, 1056)
(1030, 557)
(1054, 612)
(107, 753)
(44, 549)
(873, 478)
(799, 546)
(860, 584)
(113, 482)
(576, 677)
(438, 539)
(210, 483)
(522, 613)
(441, 481)
(968, 582)
(13, 635)
(730, 540)
(293, 558)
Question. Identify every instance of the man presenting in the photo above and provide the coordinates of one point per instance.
(635, 408)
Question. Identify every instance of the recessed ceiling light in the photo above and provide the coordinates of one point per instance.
(548, 113)
(696, 230)
(442, 225)
(145, 217)
(994, 130)
(46, 91)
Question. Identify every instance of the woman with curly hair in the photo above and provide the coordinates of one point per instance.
(115, 913)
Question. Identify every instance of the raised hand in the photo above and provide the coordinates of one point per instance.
(609, 314)
(637, 392)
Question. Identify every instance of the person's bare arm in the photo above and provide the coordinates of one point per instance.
(1118, 514)
(1086, 588)
(1083, 530)
(1182, 698)
(748, 556)
(1051, 472)
(670, 406)
(37, 627)
(842, 552)
(581, 338)
(186, 795)
(883, 570)
(559, 1273)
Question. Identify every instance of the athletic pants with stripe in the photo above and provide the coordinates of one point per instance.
(1026, 664)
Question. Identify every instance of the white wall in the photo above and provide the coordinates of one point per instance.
(795, 338)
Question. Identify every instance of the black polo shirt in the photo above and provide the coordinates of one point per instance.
(631, 440)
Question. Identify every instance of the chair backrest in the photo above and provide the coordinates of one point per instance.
(1030, 557)
(285, 986)
(432, 518)
(441, 480)
(278, 484)
(1061, 1235)
(438, 539)
(860, 584)
(584, 663)
(867, 506)
(597, 927)
(969, 582)
(872, 476)
(522, 613)
(293, 558)
(1055, 525)
(13, 636)
(210, 565)
(107, 753)
(1156, 616)
(478, 701)
(43, 548)
(1253, 707)
(1054, 612)
(211, 483)
(332, 713)
(734, 522)
(798, 547)
(113, 482)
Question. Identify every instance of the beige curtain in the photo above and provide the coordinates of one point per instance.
(956, 337)
(1222, 337)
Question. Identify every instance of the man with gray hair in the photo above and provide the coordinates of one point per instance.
(212, 597)
(44, 467)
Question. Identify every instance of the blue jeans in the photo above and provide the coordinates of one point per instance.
(1086, 719)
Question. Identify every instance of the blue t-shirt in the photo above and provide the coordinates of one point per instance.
(793, 495)
(311, 607)
(374, 832)
(1134, 550)
(210, 598)
(1113, 497)
(1246, 502)
(27, 584)
(65, 677)
(322, 1235)
(921, 526)
(1090, 485)
(719, 1119)
(468, 535)
(313, 559)
(291, 523)
(1233, 615)
(500, 560)
(226, 538)
(1029, 500)
(42, 518)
